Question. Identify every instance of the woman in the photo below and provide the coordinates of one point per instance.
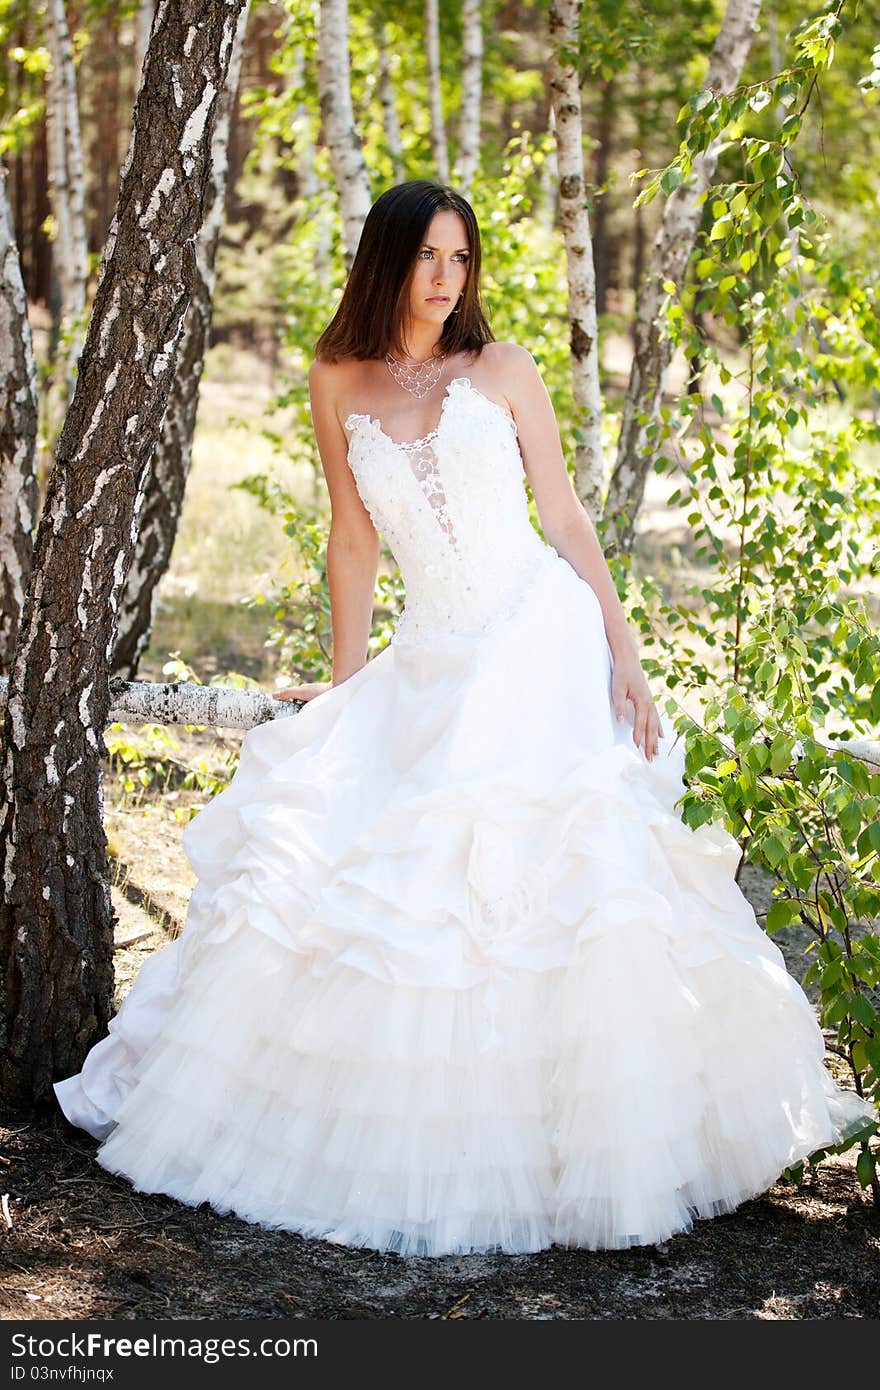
(455, 976)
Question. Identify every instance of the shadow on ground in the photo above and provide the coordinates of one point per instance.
(84, 1245)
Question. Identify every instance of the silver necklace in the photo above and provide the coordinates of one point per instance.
(412, 376)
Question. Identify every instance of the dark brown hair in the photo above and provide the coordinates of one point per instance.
(374, 311)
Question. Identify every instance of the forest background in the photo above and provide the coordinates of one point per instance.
(714, 369)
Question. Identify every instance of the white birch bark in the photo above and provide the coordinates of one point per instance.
(564, 19)
(18, 435)
(337, 113)
(67, 193)
(669, 258)
(439, 146)
(471, 95)
(387, 97)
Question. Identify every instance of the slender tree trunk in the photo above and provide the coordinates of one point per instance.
(67, 185)
(439, 147)
(471, 95)
(604, 137)
(387, 97)
(18, 436)
(669, 259)
(160, 514)
(550, 174)
(56, 917)
(565, 91)
(337, 114)
(143, 25)
(101, 100)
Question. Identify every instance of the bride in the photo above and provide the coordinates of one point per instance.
(455, 976)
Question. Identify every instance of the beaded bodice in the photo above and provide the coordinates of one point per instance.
(454, 511)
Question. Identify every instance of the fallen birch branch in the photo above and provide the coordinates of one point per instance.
(185, 702)
(228, 707)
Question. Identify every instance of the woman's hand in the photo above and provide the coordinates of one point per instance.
(303, 692)
(630, 683)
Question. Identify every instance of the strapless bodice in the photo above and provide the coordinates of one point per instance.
(453, 508)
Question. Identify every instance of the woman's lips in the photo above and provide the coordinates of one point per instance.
(439, 299)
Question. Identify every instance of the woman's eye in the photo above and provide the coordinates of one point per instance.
(459, 255)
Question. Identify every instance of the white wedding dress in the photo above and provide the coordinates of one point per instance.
(455, 976)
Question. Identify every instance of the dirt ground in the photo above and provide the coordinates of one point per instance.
(84, 1245)
(77, 1242)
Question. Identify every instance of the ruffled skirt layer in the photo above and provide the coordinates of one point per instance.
(455, 976)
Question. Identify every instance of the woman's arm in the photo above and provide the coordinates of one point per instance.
(353, 545)
(568, 528)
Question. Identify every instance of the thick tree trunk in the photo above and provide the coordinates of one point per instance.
(18, 436)
(160, 514)
(56, 918)
(471, 95)
(669, 258)
(564, 16)
(337, 115)
(439, 147)
(67, 185)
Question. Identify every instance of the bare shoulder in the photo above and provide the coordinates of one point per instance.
(331, 386)
(512, 374)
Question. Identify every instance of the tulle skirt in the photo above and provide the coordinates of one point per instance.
(456, 977)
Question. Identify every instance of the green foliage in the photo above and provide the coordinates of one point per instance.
(772, 452)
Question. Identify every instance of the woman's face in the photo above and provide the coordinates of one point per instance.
(441, 269)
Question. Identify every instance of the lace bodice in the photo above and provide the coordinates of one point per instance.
(454, 511)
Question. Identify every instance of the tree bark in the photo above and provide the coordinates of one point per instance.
(669, 259)
(387, 97)
(56, 917)
(160, 514)
(439, 147)
(67, 185)
(564, 18)
(143, 25)
(471, 95)
(604, 142)
(18, 435)
(337, 115)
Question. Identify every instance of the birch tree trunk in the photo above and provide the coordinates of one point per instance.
(549, 174)
(19, 493)
(439, 147)
(143, 25)
(471, 95)
(604, 151)
(564, 18)
(66, 183)
(387, 98)
(160, 513)
(337, 115)
(669, 259)
(56, 917)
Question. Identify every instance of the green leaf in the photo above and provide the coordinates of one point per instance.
(865, 1167)
(774, 850)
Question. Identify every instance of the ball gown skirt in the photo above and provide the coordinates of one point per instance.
(455, 976)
